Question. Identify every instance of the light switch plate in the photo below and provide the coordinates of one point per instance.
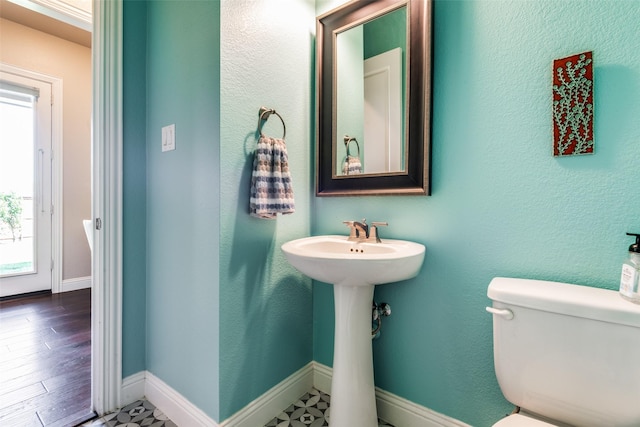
(169, 138)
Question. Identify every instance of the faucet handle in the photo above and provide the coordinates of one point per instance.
(353, 232)
(373, 230)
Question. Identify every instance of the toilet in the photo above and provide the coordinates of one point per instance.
(567, 355)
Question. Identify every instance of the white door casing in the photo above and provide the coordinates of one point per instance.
(106, 310)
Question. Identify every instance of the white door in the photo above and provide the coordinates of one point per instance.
(383, 150)
(25, 185)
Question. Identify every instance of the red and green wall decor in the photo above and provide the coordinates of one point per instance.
(573, 105)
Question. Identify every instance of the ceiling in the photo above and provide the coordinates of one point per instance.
(68, 19)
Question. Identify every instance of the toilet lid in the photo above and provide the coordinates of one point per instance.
(517, 420)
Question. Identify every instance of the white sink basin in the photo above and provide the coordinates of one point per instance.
(354, 268)
(334, 259)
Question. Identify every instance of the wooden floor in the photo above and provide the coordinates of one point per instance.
(45, 360)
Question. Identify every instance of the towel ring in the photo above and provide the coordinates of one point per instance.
(264, 115)
(347, 141)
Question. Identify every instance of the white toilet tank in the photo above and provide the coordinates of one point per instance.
(570, 353)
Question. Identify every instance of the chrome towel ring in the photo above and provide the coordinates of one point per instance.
(264, 115)
(347, 140)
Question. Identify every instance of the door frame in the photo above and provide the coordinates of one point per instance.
(106, 304)
(56, 165)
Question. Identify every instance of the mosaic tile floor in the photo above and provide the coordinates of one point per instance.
(138, 414)
(311, 410)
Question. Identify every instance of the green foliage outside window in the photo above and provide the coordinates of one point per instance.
(11, 212)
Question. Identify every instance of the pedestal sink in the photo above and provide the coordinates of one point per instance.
(354, 268)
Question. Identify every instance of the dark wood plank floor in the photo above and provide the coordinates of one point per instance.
(45, 360)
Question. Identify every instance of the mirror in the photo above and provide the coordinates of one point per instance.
(374, 98)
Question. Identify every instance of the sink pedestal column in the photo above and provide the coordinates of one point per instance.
(353, 399)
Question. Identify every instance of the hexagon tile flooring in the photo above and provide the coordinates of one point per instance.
(311, 410)
(138, 414)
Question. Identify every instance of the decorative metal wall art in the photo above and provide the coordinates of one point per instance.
(573, 105)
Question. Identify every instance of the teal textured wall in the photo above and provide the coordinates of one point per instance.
(134, 208)
(183, 198)
(265, 305)
(501, 204)
(385, 33)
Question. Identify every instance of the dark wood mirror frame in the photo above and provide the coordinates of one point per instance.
(416, 179)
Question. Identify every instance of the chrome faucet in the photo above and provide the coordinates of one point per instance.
(362, 232)
(359, 230)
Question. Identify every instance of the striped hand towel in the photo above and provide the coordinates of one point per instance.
(271, 189)
(351, 166)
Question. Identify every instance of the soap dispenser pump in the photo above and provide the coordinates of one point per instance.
(630, 278)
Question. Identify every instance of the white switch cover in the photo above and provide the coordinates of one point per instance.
(169, 138)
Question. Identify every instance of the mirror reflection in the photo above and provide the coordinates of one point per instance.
(370, 87)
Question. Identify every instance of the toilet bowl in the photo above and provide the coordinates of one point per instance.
(521, 420)
(567, 355)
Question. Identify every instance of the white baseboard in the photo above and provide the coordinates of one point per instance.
(175, 406)
(402, 412)
(273, 402)
(391, 408)
(322, 377)
(76, 284)
(132, 388)
(184, 413)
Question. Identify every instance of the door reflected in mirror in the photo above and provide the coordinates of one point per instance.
(370, 96)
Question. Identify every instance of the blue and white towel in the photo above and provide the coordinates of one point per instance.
(271, 189)
(351, 166)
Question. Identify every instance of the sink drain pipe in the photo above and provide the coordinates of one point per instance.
(377, 311)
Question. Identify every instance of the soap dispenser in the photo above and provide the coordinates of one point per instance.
(630, 277)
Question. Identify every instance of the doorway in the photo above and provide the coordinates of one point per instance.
(45, 337)
(106, 172)
(38, 49)
(26, 176)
